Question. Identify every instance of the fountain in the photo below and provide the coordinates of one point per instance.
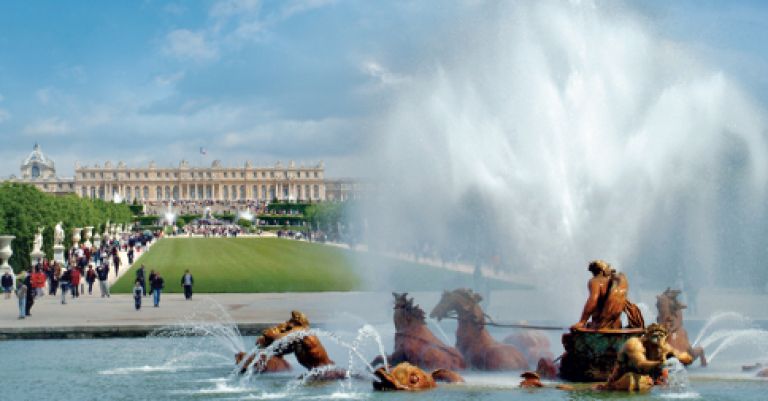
(169, 217)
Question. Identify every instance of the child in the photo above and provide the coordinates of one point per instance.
(137, 292)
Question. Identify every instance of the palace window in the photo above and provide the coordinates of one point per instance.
(242, 192)
(316, 192)
(225, 174)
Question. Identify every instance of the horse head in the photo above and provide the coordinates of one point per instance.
(463, 301)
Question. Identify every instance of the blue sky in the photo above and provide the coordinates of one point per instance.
(262, 80)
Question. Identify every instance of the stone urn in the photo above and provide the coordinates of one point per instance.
(97, 240)
(76, 236)
(5, 253)
(88, 233)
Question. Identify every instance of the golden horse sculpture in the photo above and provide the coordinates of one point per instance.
(480, 350)
(671, 316)
(307, 349)
(415, 343)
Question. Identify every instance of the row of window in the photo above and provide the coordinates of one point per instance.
(206, 192)
(203, 174)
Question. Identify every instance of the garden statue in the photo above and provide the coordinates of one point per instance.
(671, 316)
(479, 349)
(640, 363)
(607, 300)
(408, 377)
(415, 343)
(594, 341)
(37, 243)
(58, 235)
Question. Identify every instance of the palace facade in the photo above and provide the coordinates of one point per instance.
(152, 184)
(188, 183)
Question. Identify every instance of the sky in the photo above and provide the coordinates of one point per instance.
(262, 80)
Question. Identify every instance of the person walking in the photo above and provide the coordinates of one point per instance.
(90, 278)
(186, 282)
(38, 281)
(138, 292)
(21, 294)
(141, 280)
(55, 280)
(102, 272)
(116, 262)
(157, 287)
(30, 295)
(74, 282)
(7, 283)
(66, 277)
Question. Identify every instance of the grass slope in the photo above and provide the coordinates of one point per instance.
(245, 265)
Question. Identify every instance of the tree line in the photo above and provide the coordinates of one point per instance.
(24, 208)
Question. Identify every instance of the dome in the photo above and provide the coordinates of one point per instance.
(38, 165)
(37, 157)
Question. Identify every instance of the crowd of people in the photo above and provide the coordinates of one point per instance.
(211, 230)
(83, 266)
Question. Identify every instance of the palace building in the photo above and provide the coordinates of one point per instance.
(187, 183)
(152, 184)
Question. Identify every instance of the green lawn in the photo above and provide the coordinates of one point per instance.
(245, 265)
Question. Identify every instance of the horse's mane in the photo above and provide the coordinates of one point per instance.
(403, 302)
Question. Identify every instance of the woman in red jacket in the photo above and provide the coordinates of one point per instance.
(75, 283)
(38, 282)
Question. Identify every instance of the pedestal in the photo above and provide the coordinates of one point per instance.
(58, 254)
(36, 257)
(590, 354)
(5, 253)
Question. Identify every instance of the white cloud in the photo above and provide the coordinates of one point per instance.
(230, 8)
(170, 79)
(300, 6)
(48, 126)
(381, 73)
(43, 95)
(186, 44)
(4, 115)
(175, 9)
